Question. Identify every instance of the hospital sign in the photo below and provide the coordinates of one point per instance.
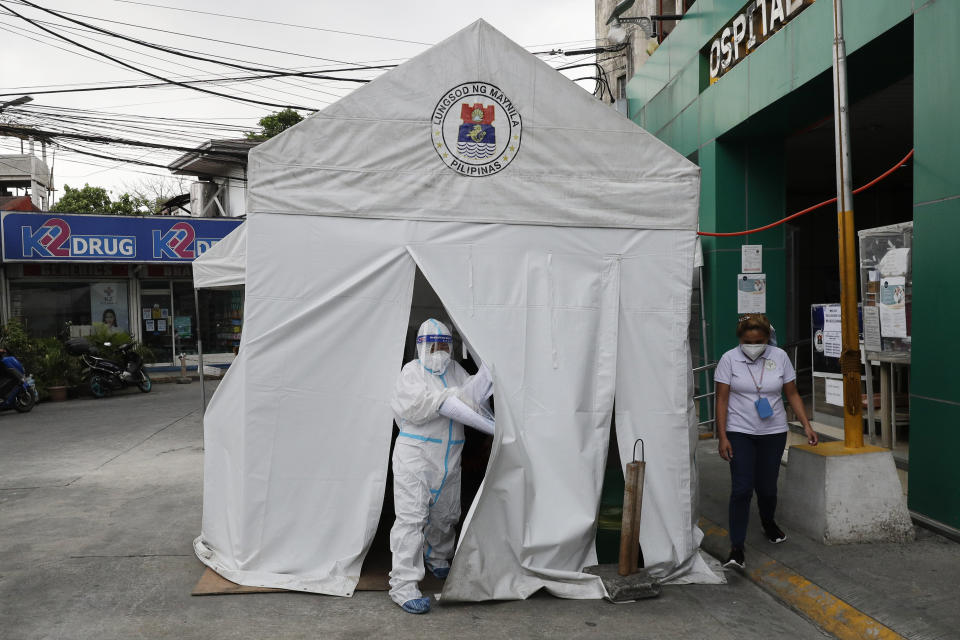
(42, 237)
(754, 24)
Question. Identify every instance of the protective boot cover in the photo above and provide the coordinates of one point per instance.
(566, 265)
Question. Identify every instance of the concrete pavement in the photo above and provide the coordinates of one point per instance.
(101, 499)
(908, 588)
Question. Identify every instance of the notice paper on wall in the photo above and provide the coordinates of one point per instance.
(893, 308)
(752, 293)
(832, 331)
(751, 258)
(871, 329)
(834, 392)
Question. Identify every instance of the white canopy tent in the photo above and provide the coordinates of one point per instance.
(224, 265)
(562, 251)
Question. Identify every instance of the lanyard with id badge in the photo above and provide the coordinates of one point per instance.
(764, 410)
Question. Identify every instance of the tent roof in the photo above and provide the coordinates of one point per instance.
(224, 265)
(567, 159)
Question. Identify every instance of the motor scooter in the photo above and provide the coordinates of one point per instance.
(17, 389)
(106, 376)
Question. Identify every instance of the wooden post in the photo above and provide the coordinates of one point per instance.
(630, 523)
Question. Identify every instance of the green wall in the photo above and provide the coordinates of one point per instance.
(742, 188)
(733, 123)
(737, 127)
(934, 391)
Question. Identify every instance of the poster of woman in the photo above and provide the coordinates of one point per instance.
(108, 304)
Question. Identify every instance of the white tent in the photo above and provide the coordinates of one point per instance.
(224, 265)
(560, 238)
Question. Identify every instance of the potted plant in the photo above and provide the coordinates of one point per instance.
(57, 369)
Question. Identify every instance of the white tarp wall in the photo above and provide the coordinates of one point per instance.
(224, 264)
(568, 271)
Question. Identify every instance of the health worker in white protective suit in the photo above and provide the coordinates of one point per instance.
(433, 400)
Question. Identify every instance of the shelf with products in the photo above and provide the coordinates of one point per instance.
(228, 322)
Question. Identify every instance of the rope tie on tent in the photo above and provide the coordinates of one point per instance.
(883, 175)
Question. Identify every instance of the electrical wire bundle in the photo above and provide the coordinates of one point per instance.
(104, 137)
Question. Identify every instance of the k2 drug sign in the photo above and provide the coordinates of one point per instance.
(35, 237)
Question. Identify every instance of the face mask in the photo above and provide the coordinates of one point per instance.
(753, 351)
(436, 362)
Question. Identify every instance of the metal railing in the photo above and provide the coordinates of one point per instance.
(711, 419)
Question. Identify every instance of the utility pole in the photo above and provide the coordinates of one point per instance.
(850, 355)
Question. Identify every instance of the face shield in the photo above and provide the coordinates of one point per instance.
(434, 344)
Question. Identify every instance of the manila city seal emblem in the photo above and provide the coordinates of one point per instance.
(476, 129)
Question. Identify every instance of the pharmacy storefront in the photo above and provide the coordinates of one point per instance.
(132, 273)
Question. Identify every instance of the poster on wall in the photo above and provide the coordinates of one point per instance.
(182, 325)
(751, 258)
(871, 329)
(834, 392)
(752, 293)
(893, 310)
(108, 304)
(832, 331)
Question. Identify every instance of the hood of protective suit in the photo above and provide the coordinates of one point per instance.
(432, 332)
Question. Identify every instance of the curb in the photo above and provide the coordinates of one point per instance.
(824, 609)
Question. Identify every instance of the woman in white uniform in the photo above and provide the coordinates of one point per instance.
(752, 427)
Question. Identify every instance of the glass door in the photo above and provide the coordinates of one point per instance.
(156, 318)
(185, 320)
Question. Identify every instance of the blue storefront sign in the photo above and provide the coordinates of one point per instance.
(44, 237)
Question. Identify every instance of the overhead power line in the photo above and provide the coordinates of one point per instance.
(52, 135)
(197, 37)
(167, 83)
(169, 50)
(136, 161)
(313, 28)
(83, 31)
(289, 82)
(282, 24)
(148, 73)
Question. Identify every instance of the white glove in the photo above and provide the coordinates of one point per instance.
(455, 409)
(477, 389)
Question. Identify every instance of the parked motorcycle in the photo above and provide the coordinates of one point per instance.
(17, 389)
(106, 376)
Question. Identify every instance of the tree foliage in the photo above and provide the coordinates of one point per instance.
(155, 191)
(97, 200)
(274, 123)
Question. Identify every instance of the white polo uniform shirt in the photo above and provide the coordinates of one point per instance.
(771, 371)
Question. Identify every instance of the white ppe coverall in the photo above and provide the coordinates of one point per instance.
(426, 464)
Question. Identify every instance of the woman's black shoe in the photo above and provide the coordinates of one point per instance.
(736, 559)
(773, 532)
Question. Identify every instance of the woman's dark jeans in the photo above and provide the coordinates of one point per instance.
(755, 466)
